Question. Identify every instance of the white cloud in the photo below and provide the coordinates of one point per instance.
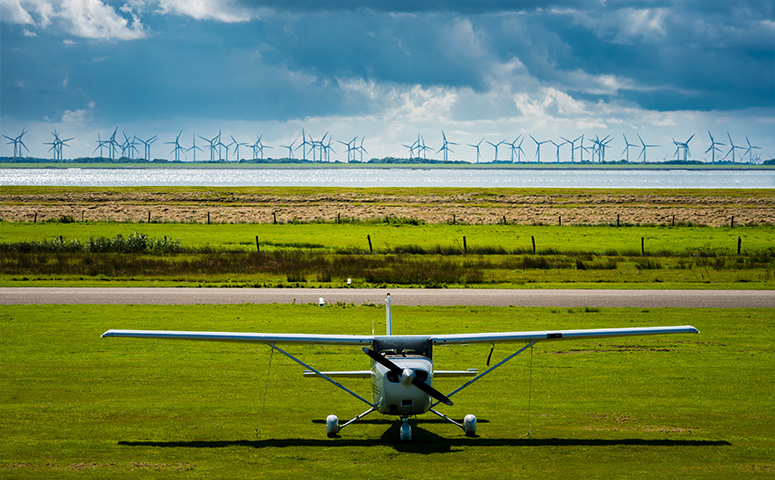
(78, 116)
(221, 10)
(81, 18)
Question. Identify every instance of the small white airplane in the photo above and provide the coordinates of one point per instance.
(402, 365)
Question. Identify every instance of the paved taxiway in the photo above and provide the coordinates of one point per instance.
(494, 297)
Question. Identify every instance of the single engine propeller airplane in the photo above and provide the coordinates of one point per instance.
(402, 365)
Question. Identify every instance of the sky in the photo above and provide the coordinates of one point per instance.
(388, 71)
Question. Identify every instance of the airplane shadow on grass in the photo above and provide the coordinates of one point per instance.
(426, 442)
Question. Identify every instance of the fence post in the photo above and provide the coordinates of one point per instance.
(642, 247)
(274, 216)
(465, 246)
(533, 239)
(35, 220)
(739, 244)
(617, 219)
(732, 223)
(559, 221)
(674, 220)
(371, 249)
(208, 218)
(149, 216)
(258, 247)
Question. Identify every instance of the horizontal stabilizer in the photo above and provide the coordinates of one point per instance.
(341, 374)
(471, 372)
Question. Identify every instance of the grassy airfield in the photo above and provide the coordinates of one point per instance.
(73, 405)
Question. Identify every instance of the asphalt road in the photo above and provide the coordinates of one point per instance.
(521, 298)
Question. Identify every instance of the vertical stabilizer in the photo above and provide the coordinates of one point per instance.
(389, 322)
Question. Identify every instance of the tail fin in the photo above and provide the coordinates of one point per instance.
(389, 321)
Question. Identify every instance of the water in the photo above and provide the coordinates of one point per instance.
(392, 177)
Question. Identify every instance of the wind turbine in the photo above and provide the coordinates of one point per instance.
(422, 148)
(350, 147)
(445, 147)
(212, 142)
(643, 151)
(558, 145)
(147, 144)
(114, 145)
(572, 146)
(236, 147)
(18, 143)
(57, 145)
(514, 147)
(258, 148)
(477, 149)
(538, 147)
(732, 148)
(220, 146)
(303, 145)
(713, 148)
(361, 149)
(129, 145)
(750, 150)
(495, 146)
(290, 148)
(100, 143)
(627, 146)
(176, 151)
(192, 147)
(682, 146)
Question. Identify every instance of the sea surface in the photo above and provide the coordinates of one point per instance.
(392, 177)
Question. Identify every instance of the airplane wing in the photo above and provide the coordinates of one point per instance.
(267, 338)
(551, 335)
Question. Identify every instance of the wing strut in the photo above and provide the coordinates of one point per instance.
(530, 344)
(325, 377)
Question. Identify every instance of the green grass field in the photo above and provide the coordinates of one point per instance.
(436, 255)
(242, 237)
(74, 405)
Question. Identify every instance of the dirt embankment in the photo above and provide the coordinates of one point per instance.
(711, 208)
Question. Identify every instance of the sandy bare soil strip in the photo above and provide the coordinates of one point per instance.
(711, 208)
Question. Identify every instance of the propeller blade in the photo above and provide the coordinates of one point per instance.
(415, 381)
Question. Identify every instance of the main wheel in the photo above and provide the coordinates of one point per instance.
(332, 425)
(469, 425)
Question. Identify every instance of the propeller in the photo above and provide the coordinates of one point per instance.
(400, 372)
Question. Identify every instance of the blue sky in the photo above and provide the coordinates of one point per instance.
(389, 71)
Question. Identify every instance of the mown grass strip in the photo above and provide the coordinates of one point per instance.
(74, 405)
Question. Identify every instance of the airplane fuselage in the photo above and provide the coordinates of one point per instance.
(394, 394)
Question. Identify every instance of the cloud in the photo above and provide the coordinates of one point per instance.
(226, 11)
(91, 19)
(78, 116)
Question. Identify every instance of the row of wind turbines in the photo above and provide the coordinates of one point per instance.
(596, 150)
(320, 150)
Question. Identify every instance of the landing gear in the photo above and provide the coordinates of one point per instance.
(332, 425)
(469, 425)
(406, 431)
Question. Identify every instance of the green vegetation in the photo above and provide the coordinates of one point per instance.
(73, 405)
(389, 253)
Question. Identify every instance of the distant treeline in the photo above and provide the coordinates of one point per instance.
(373, 161)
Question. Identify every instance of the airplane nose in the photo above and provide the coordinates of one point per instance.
(406, 376)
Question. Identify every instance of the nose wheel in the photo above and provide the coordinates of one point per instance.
(406, 431)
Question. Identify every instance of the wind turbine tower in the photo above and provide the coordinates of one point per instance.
(177, 149)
